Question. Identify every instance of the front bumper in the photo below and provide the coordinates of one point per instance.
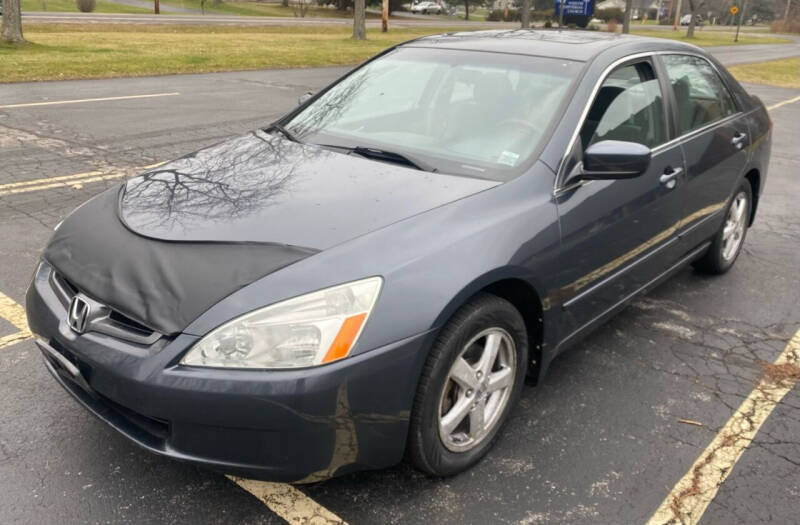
(294, 425)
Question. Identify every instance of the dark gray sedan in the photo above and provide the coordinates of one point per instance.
(374, 275)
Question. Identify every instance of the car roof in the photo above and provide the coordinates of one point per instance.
(562, 44)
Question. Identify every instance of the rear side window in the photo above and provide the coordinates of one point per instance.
(701, 95)
(629, 106)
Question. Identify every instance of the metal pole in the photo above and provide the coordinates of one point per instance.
(677, 16)
(560, 14)
(385, 16)
(739, 25)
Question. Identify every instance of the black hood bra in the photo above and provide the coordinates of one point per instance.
(163, 285)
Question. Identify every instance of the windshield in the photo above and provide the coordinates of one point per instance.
(459, 112)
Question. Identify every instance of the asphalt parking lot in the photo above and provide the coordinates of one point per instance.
(617, 424)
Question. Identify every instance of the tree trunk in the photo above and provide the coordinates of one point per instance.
(690, 31)
(525, 16)
(786, 14)
(359, 16)
(466, 9)
(626, 24)
(12, 22)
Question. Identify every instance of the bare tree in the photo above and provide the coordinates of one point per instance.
(12, 22)
(359, 20)
(525, 16)
(626, 23)
(300, 8)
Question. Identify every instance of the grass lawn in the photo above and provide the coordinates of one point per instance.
(70, 6)
(711, 38)
(68, 51)
(784, 73)
(247, 8)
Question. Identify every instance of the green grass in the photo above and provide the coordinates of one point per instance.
(248, 8)
(784, 73)
(710, 38)
(70, 6)
(68, 51)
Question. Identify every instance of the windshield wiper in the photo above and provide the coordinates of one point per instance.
(391, 156)
(384, 155)
(283, 131)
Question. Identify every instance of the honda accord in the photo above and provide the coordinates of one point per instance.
(374, 275)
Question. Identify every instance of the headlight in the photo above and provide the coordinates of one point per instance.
(308, 330)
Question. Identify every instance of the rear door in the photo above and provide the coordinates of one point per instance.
(617, 235)
(715, 138)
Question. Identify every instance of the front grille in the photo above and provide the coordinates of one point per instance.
(111, 322)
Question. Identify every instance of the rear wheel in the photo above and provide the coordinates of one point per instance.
(727, 243)
(471, 379)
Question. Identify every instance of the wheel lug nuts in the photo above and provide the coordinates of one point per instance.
(480, 375)
(469, 393)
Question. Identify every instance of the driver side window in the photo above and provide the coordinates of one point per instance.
(629, 106)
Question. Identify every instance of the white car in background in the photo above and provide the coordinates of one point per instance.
(426, 7)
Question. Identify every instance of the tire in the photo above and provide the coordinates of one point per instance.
(721, 255)
(466, 337)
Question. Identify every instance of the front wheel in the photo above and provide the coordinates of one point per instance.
(727, 243)
(472, 378)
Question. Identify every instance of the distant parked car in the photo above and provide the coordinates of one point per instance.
(426, 7)
(686, 19)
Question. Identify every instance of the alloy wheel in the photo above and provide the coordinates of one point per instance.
(733, 232)
(477, 390)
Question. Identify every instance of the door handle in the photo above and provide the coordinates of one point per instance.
(738, 139)
(670, 176)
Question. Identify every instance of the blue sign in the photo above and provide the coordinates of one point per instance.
(575, 7)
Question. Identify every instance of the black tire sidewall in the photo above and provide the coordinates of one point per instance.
(485, 312)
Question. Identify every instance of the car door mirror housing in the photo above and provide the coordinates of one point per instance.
(615, 159)
(302, 99)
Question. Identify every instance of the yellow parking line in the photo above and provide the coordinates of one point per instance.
(61, 181)
(12, 339)
(37, 182)
(14, 314)
(785, 102)
(81, 100)
(692, 494)
(288, 502)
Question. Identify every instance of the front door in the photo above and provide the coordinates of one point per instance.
(617, 235)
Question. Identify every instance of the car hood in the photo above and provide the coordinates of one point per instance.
(263, 188)
(171, 243)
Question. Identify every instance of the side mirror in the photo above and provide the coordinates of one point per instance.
(615, 159)
(304, 98)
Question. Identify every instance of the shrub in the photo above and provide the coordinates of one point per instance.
(498, 15)
(86, 6)
(612, 25)
(543, 14)
(548, 24)
(607, 14)
(790, 26)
